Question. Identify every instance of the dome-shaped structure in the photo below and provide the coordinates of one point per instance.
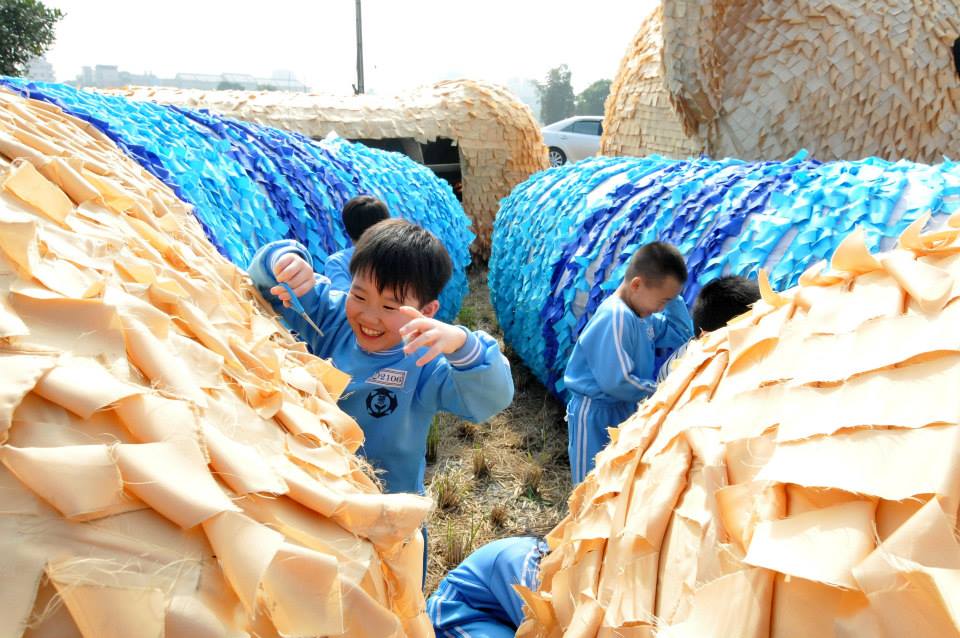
(797, 474)
(758, 80)
(172, 462)
(563, 237)
(496, 139)
(251, 184)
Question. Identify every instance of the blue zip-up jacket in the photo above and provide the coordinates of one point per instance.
(613, 359)
(337, 269)
(391, 398)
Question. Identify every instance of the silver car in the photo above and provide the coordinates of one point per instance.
(573, 139)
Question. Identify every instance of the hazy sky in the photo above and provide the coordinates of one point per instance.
(406, 42)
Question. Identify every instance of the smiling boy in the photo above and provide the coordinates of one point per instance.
(611, 368)
(405, 365)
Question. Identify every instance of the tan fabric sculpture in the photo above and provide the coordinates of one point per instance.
(172, 463)
(498, 137)
(762, 80)
(797, 474)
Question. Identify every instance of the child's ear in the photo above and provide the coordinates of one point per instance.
(430, 309)
(637, 282)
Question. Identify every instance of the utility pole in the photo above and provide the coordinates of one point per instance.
(358, 88)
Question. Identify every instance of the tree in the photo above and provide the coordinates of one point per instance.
(556, 95)
(26, 32)
(591, 99)
(226, 85)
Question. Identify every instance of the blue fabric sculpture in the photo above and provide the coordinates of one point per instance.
(252, 184)
(562, 238)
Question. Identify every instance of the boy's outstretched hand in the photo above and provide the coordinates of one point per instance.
(421, 331)
(293, 270)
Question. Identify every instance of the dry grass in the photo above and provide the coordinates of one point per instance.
(499, 516)
(433, 441)
(458, 542)
(481, 465)
(531, 478)
(447, 489)
(525, 485)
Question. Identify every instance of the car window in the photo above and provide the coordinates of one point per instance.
(586, 127)
(570, 128)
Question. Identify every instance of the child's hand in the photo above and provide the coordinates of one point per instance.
(292, 269)
(423, 331)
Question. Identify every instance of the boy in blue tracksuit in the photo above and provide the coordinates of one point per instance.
(477, 599)
(358, 214)
(612, 368)
(405, 365)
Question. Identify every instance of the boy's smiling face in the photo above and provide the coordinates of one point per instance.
(374, 315)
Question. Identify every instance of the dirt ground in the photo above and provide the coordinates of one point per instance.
(508, 476)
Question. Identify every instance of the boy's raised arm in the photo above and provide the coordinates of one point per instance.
(475, 381)
(673, 327)
(316, 302)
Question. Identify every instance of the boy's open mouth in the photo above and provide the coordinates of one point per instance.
(369, 332)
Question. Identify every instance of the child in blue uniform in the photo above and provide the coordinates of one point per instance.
(477, 599)
(405, 365)
(611, 368)
(717, 303)
(358, 214)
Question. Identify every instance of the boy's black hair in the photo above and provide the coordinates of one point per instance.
(657, 260)
(362, 212)
(721, 300)
(403, 258)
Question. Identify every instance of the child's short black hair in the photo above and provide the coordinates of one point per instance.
(362, 212)
(721, 300)
(403, 258)
(657, 260)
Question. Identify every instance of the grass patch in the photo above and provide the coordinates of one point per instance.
(448, 490)
(433, 440)
(481, 464)
(499, 515)
(467, 317)
(530, 479)
(458, 543)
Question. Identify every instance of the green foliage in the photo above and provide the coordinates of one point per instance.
(26, 31)
(226, 85)
(590, 100)
(556, 95)
(467, 317)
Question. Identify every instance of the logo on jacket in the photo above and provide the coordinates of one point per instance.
(389, 377)
(381, 402)
(651, 334)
